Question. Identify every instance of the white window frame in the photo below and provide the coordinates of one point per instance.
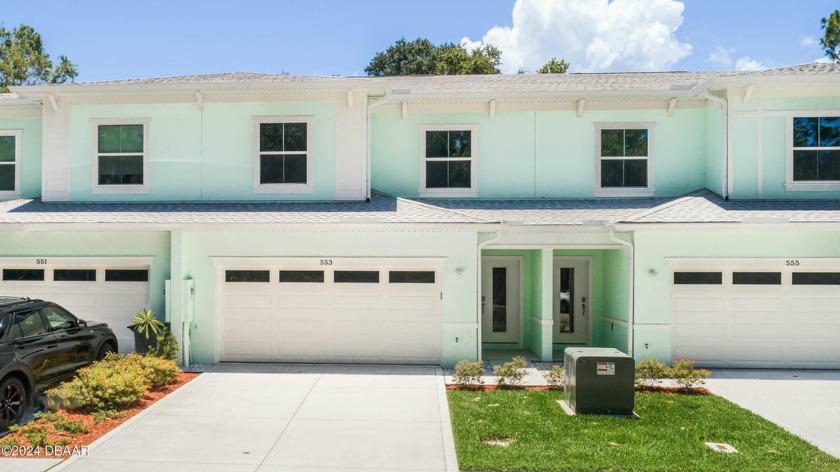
(648, 191)
(120, 189)
(308, 187)
(802, 185)
(450, 192)
(18, 135)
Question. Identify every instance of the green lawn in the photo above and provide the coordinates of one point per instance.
(669, 436)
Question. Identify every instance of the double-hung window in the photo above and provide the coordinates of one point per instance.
(283, 161)
(625, 159)
(448, 166)
(121, 156)
(814, 154)
(10, 164)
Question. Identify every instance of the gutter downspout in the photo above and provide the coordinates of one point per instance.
(630, 301)
(370, 106)
(727, 121)
(481, 245)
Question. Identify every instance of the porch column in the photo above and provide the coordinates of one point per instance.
(545, 326)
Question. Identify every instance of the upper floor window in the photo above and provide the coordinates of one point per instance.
(625, 159)
(121, 163)
(10, 164)
(448, 166)
(283, 161)
(814, 156)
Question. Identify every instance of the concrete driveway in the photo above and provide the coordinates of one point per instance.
(273, 418)
(806, 403)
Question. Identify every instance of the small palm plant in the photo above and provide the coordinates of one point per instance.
(146, 324)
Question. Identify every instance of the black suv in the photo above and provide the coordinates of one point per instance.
(42, 344)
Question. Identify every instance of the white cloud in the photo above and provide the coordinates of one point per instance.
(721, 56)
(747, 64)
(809, 41)
(593, 35)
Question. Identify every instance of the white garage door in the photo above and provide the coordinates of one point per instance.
(773, 313)
(366, 311)
(111, 294)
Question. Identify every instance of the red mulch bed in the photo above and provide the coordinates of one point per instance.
(96, 430)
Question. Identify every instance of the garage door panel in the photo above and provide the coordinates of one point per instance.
(255, 300)
(345, 322)
(779, 325)
(247, 350)
(689, 304)
(119, 300)
(759, 304)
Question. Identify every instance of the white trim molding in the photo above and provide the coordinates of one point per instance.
(472, 191)
(283, 188)
(16, 163)
(119, 189)
(647, 191)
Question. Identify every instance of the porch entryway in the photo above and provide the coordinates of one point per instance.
(541, 301)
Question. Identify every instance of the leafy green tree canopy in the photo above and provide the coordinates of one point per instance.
(553, 66)
(830, 42)
(23, 60)
(421, 57)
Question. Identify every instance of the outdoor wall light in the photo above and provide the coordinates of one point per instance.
(459, 271)
(652, 272)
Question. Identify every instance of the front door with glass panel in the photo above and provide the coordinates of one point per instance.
(571, 300)
(500, 299)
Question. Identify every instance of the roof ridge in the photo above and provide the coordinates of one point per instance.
(445, 210)
(668, 204)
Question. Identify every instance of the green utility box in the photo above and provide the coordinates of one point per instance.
(599, 381)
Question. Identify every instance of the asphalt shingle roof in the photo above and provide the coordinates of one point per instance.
(552, 211)
(381, 208)
(708, 207)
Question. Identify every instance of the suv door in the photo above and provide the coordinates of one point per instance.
(33, 345)
(75, 344)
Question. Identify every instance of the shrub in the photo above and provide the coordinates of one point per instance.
(167, 346)
(71, 426)
(511, 373)
(649, 372)
(686, 375)
(156, 371)
(9, 441)
(49, 417)
(556, 377)
(103, 415)
(105, 385)
(468, 373)
(35, 434)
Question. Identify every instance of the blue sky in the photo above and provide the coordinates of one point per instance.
(117, 39)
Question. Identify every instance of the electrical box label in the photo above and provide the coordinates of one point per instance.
(606, 368)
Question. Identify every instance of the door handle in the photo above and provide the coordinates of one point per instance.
(52, 346)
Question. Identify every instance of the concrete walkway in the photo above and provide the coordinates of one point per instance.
(273, 418)
(802, 402)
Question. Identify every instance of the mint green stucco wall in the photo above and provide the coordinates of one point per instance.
(540, 154)
(459, 303)
(209, 155)
(653, 292)
(46, 244)
(715, 147)
(30, 158)
(759, 137)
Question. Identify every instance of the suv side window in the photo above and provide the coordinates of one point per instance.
(29, 323)
(58, 319)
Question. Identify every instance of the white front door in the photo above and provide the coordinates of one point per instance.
(571, 300)
(501, 299)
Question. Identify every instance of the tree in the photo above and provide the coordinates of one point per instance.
(421, 57)
(23, 60)
(830, 42)
(553, 66)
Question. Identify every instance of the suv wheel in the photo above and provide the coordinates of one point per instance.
(12, 402)
(104, 350)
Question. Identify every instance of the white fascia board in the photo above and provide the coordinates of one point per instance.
(570, 95)
(338, 85)
(736, 226)
(163, 227)
(789, 81)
